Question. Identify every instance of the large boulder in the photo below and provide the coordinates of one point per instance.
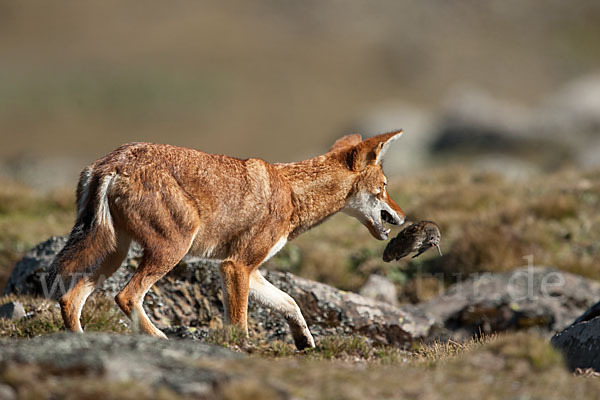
(495, 133)
(573, 109)
(381, 289)
(564, 129)
(573, 114)
(190, 296)
(473, 117)
(580, 344)
(540, 298)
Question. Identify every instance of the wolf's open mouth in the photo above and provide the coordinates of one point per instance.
(389, 218)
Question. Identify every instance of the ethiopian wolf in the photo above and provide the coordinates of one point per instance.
(173, 201)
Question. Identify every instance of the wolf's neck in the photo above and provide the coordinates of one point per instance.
(320, 187)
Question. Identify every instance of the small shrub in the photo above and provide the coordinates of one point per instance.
(441, 351)
(555, 206)
(536, 351)
(484, 248)
(228, 336)
(342, 347)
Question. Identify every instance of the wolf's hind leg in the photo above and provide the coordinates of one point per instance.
(156, 262)
(72, 302)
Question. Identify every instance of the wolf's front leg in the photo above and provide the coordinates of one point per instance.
(268, 295)
(235, 281)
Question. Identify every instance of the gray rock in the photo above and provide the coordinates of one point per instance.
(587, 154)
(379, 288)
(474, 108)
(7, 393)
(474, 125)
(540, 298)
(24, 278)
(118, 358)
(589, 314)
(573, 114)
(574, 109)
(12, 310)
(331, 311)
(190, 296)
(580, 344)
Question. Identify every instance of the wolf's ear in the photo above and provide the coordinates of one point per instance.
(372, 150)
(346, 141)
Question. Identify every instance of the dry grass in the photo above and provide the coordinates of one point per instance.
(438, 352)
(339, 367)
(351, 349)
(43, 317)
(507, 366)
(100, 314)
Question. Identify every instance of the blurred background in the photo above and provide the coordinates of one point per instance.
(503, 84)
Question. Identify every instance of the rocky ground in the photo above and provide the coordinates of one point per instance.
(116, 366)
(397, 351)
(471, 324)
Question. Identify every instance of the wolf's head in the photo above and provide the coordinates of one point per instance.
(369, 201)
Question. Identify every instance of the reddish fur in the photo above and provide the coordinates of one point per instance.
(174, 200)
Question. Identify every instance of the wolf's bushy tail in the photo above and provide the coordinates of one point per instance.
(91, 240)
